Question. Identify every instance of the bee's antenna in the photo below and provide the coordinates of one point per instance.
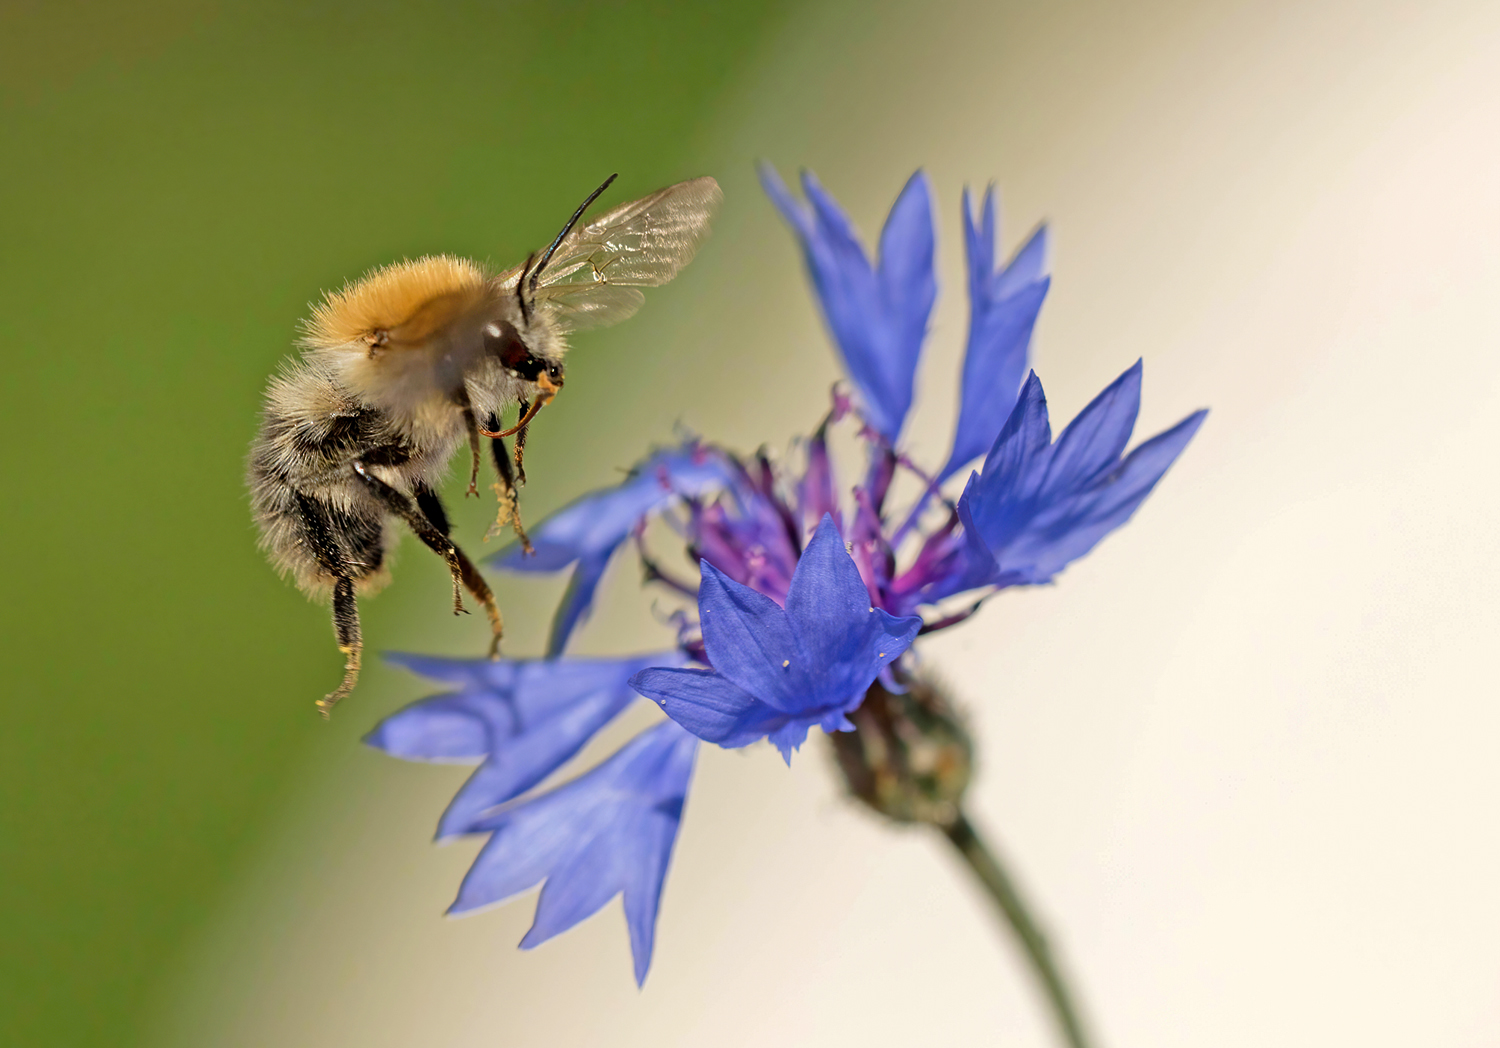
(521, 289)
(547, 255)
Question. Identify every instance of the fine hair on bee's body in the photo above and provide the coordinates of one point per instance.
(419, 358)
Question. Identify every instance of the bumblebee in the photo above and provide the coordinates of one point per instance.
(403, 367)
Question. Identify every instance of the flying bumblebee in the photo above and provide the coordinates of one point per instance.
(403, 367)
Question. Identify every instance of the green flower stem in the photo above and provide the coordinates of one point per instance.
(997, 883)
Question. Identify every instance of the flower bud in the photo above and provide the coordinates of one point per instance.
(909, 757)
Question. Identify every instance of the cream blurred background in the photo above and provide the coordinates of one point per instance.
(1243, 757)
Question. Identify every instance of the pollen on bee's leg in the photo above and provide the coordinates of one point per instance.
(326, 704)
(509, 512)
(521, 455)
(458, 598)
(525, 539)
(346, 630)
(473, 465)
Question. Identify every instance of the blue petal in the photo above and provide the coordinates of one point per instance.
(909, 288)
(589, 530)
(442, 730)
(517, 692)
(578, 599)
(527, 717)
(790, 736)
(520, 760)
(1094, 441)
(979, 243)
(478, 673)
(1026, 267)
(1038, 506)
(877, 316)
(843, 640)
(1071, 529)
(609, 831)
(778, 672)
(709, 706)
(749, 640)
(1015, 466)
(826, 587)
(1003, 309)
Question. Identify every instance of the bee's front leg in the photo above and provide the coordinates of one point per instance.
(471, 422)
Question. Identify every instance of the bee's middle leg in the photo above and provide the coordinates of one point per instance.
(425, 530)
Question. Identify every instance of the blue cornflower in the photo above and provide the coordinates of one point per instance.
(809, 591)
(778, 672)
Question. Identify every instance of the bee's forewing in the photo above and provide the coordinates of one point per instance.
(592, 278)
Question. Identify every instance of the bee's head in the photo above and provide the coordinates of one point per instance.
(520, 359)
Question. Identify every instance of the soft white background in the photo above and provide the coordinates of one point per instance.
(1244, 757)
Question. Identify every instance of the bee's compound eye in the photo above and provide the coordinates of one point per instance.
(502, 341)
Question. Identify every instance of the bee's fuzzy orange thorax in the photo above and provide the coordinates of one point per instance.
(406, 296)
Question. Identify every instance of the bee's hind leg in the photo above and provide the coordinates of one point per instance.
(346, 629)
(432, 508)
(331, 557)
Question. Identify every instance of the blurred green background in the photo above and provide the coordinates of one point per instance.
(179, 180)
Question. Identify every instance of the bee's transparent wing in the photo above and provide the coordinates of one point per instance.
(594, 277)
